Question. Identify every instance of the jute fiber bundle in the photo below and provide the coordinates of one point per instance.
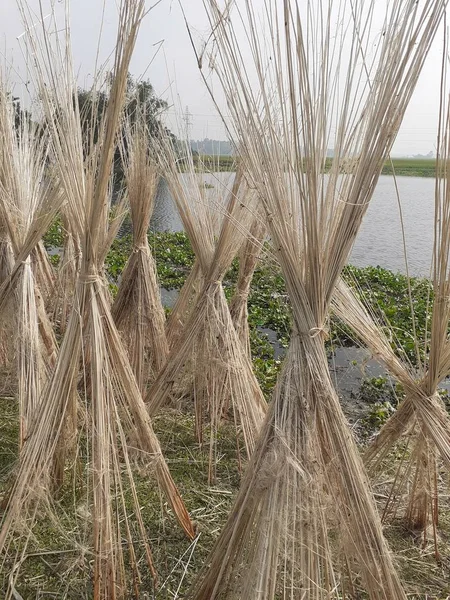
(67, 273)
(421, 421)
(184, 304)
(199, 218)
(24, 198)
(137, 309)
(6, 265)
(248, 260)
(218, 370)
(425, 431)
(303, 86)
(114, 405)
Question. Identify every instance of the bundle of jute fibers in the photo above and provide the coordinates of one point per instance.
(184, 304)
(45, 274)
(67, 273)
(6, 265)
(306, 86)
(200, 215)
(200, 204)
(208, 357)
(248, 260)
(415, 474)
(6, 253)
(200, 221)
(114, 532)
(24, 247)
(24, 196)
(137, 309)
(421, 424)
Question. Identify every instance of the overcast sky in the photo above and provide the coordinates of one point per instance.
(174, 72)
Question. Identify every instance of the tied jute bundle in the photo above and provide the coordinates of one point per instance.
(421, 424)
(27, 205)
(420, 421)
(115, 410)
(207, 362)
(6, 265)
(137, 309)
(285, 105)
(248, 260)
(67, 273)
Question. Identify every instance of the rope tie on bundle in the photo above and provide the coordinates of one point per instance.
(142, 247)
(433, 399)
(90, 278)
(242, 295)
(315, 331)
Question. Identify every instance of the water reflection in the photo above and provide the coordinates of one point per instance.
(379, 241)
(165, 215)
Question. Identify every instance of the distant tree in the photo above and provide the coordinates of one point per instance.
(92, 107)
(140, 99)
(21, 115)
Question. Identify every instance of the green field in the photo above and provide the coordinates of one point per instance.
(58, 562)
(215, 163)
(413, 167)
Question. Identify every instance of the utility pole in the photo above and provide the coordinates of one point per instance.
(188, 123)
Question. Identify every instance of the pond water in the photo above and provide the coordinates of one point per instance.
(380, 239)
(379, 243)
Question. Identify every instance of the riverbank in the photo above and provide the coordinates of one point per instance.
(368, 396)
(56, 564)
(268, 305)
(268, 301)
(411, 167)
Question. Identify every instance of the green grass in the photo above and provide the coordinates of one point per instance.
(268, 303)
(412, 167)
(223, 163)
(55, 568)
(58, 563)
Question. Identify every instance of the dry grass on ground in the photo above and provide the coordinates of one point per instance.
(58, 564)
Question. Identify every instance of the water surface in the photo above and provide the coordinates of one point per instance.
(379, 241)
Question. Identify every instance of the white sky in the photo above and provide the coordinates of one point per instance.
(174, 71)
